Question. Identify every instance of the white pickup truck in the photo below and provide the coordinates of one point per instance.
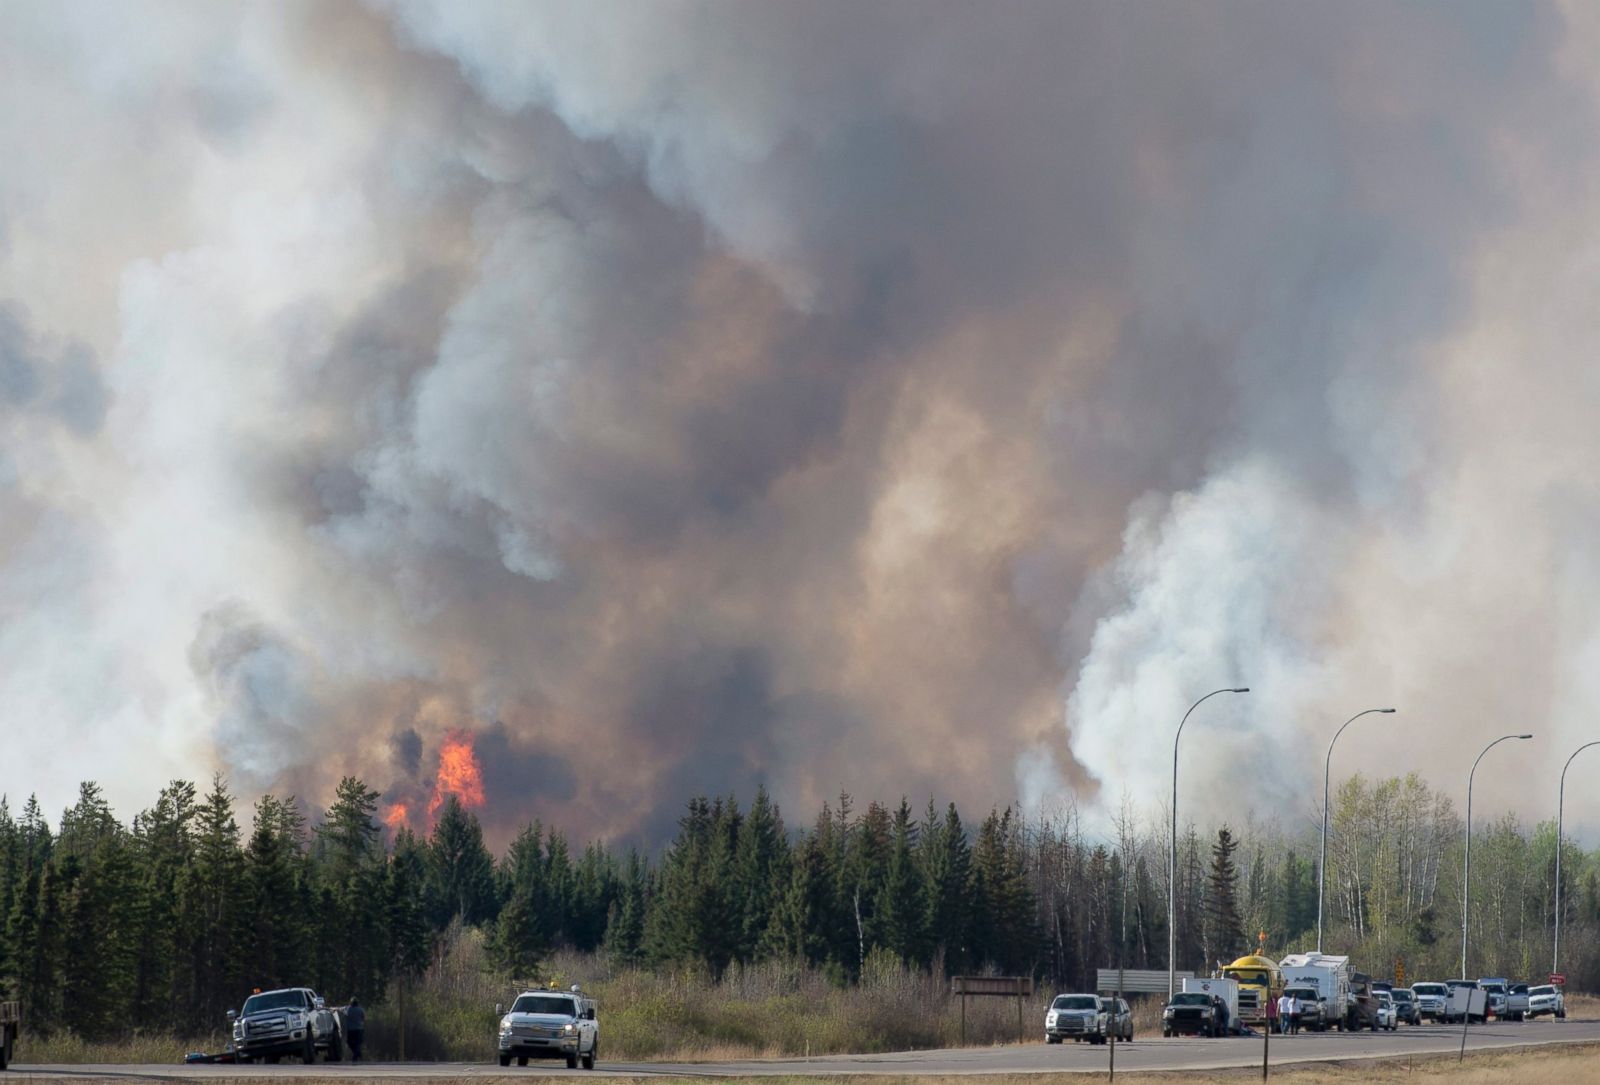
(288, 1021)
(1078, 1018)
(550, 1025)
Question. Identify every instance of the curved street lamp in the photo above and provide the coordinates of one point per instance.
(1327, 767)
(1561, 797)
(1466, 855)
(1172, 861)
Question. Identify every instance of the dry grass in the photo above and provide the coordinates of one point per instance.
(63, 1048)
(1583, 1007)
(770, 1010)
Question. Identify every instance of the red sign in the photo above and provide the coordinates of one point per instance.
(1558, 979)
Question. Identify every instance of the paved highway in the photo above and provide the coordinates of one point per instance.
(1031, 1058)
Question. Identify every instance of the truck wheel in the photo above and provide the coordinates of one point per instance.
(1561, 1014)
(572, 1061)
(308, 1054)
(1049, 1039)
(1166, 1034)
(505, 1060)
(594, 1053)
(522, 1060)
(336, 1046)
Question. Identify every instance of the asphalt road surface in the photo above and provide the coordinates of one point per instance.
(1031, 1058)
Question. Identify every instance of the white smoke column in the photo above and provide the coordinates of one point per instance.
(1221, 587)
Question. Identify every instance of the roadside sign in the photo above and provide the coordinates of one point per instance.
(1399, 971)
(1558, 979)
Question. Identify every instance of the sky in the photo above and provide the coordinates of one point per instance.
(908, 398)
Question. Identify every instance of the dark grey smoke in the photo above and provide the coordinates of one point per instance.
(906, 397)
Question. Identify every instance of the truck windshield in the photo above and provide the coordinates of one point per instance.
(1254, 976)
(550, 1004)
(275, 1000)
(1307, 993)
(1401, 996)
(1193, 998)
(1429, 989)
(1076, 1002)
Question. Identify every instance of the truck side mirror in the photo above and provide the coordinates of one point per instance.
(232, 1014)
(321, 1003)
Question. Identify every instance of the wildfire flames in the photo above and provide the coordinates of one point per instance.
(458, 774)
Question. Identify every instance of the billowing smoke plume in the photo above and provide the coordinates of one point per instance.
(901, 397)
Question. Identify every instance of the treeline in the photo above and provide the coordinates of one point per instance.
(167, 922)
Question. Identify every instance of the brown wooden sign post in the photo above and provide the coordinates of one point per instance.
(1018, 987)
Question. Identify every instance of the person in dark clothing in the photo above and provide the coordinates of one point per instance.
(355, 1028)
(1224, 1026)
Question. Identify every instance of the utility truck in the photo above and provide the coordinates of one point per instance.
(1329, 977)
(1259, 983)
(10, 1024)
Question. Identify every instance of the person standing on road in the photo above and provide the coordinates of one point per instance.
(1285, 1013)
(355, 1028)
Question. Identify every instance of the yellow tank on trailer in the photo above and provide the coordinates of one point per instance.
(1259, 982)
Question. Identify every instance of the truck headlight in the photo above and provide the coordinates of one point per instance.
(570, 1027)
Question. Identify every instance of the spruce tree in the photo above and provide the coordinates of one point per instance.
(625, 921)
(409, 940)
(352, 945)
(98, 950)
(1224, 930)
(524, 931)
(798, 931)
(163, 846)
(761, 865)
(460, 869)
(947, 862)
(279, 936)
(902, 904)
(212, 905)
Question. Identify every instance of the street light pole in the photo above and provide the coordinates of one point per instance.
(1172, 860)
(1561, 798)
(1466, 855)
(1327, 768)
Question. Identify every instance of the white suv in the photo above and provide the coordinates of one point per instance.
(1546, 999)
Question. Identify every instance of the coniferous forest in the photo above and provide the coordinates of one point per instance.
(168, 920)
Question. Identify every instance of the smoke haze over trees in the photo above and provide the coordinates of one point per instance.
(917, 397)
(173, 919)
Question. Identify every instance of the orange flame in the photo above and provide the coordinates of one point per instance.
(397, 816)
(458, 773)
